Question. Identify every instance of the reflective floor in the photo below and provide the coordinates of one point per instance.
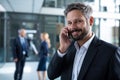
(7, 71)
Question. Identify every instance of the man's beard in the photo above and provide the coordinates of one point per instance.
(80, 36)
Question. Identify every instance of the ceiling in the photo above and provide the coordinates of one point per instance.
(27, 6)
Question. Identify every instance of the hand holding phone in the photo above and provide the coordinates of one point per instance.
(64, 39)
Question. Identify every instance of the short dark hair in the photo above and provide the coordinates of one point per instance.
(86, 10)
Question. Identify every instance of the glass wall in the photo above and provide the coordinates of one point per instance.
(34, 24)
(110, 31)
(109, 27)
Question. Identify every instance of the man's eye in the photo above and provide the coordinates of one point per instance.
(79, 20)
(69, 23)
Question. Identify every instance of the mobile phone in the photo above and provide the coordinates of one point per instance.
(70, 35)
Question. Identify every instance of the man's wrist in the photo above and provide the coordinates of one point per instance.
(61, 50)
(60, 54)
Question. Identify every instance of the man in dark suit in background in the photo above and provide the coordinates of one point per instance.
(81, 55)
(20, 52)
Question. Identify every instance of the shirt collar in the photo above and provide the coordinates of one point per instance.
(21, 37)
(86, 44)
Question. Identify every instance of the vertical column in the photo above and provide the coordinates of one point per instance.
(119, 27)
(5, 35)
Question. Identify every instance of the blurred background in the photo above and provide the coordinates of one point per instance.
(38, 16)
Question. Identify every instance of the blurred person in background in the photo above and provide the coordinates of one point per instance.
(32, 46)
(20, 52)
(81, 55)
(43, 53)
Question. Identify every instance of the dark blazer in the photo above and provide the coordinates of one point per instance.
(43, 49)
(97, 65)
(17, 48)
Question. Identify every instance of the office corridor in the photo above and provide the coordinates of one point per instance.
(7, 71)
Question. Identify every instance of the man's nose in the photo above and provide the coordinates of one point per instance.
(73, 26)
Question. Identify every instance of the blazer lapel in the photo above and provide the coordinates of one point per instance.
(19, 42)
(92, 50)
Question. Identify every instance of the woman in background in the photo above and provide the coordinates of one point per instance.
(43, 53)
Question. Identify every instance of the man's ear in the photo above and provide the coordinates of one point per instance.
(91, 20)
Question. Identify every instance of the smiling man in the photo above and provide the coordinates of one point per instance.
(81, 55)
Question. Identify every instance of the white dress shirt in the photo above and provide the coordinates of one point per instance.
(22, 40)
(79, 57)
